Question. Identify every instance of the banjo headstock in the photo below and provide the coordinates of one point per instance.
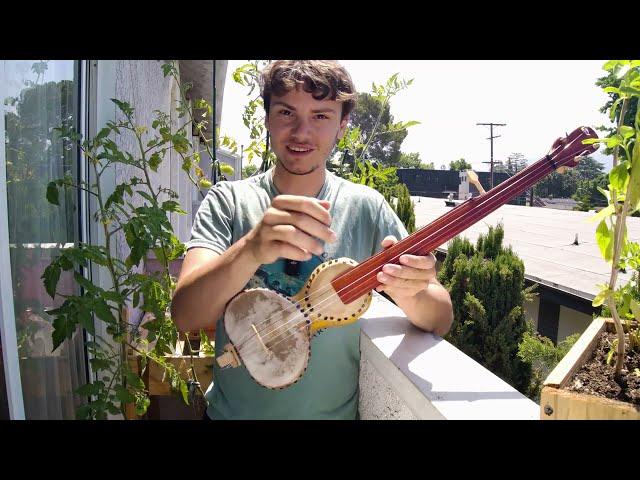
(567, 151)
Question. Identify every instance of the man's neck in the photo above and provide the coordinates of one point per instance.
(307, 185)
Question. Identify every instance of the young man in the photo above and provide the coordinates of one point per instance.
(244, 231)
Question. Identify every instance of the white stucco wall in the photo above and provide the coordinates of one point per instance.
(142, 84)
(408, 373)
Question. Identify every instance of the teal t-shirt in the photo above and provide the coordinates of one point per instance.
(361, 217)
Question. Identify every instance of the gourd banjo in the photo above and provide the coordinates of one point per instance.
(271, 333)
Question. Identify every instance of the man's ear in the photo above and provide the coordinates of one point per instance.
(343, 127)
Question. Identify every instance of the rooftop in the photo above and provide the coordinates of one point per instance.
(544, 239)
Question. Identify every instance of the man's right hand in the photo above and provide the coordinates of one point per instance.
(288, 228)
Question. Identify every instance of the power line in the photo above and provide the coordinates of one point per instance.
(491, 125)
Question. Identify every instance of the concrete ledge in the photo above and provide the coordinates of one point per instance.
(406, 373)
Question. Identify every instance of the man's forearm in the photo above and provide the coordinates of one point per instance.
(430, 309)
(203, 294)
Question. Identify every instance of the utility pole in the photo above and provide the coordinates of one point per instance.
(491, 125)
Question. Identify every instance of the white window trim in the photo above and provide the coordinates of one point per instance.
(7, 313)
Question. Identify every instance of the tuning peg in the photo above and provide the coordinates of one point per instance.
(473, 178)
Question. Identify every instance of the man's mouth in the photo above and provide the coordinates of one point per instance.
(299, 150)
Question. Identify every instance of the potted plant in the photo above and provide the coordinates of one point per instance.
(599, 378)
(138, 210)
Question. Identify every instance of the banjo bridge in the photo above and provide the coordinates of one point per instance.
(230, 358)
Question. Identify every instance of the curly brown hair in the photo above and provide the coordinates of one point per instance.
(321, 78)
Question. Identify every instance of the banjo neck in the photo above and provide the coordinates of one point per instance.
(361, 279)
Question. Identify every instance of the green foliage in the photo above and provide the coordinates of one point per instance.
(576, 183)
(253, 117)
(623, 194)
(610, 84)
(486, 284)
(543, 356)
(412, 160)
(139, 211)
(374, 176)
(400, 200)
(461, 164)
(372, 136)
(372, 116)
(588, 194)
(249, 170)
(205, 345)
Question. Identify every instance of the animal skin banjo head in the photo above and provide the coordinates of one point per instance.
(270, 336)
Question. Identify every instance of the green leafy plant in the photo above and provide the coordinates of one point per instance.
(253, 116)
(543, 356)
(139, 211)
(486, 284)
(623, 194)
(400, 200)
(354, 145)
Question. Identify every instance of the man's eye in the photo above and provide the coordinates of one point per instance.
(285, 112)
(321, 116)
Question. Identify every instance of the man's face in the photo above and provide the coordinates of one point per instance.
(304, 130)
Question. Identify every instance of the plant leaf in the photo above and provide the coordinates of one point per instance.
(604, 238)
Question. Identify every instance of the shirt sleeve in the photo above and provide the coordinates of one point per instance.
(387, 223)
(213, 223)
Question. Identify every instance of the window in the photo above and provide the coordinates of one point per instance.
(39, 95)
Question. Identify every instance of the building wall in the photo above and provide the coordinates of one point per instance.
(571, 321)
(142, 84)
(531, 309)
(437, 183)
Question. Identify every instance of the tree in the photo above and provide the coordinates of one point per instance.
(556, 185)
(400, 200)
(460, 164)
(486, 284)
(612, 81)
(385, 145)
(588, 195)
(588, 168)
(566, 185)
(412, 160)
(514, 164)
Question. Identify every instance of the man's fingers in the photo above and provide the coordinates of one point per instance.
(388, 241)
(291, 252)
(302, 221)
(425, 262)
(408, 273)
(310, 206)
(296, 237)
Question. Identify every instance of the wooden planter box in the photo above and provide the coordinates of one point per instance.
(556, 403)
(153, 374)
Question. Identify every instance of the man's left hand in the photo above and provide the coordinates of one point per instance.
(412, 276)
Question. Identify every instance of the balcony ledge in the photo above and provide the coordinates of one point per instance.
(406, 373)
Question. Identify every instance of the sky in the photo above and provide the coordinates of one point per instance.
(538, 101)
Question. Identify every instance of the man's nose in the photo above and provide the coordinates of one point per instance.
(301, 127)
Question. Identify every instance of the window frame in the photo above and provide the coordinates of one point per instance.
(7, 311)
